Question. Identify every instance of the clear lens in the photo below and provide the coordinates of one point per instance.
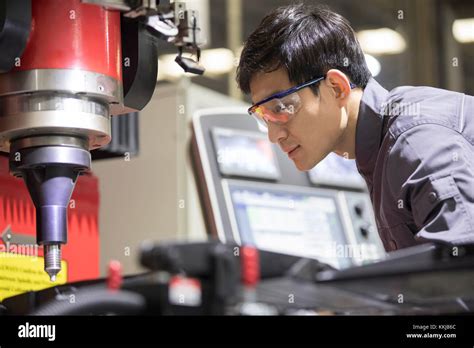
(278, 111)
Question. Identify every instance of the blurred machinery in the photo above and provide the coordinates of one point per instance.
(211, 278)
(66, 67)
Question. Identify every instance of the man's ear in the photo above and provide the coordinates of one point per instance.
(340, 85)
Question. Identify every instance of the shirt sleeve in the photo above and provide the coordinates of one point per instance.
(430, 171)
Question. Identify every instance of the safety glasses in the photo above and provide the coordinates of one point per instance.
(279, 108)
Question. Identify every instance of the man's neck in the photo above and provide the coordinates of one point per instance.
(346, 145)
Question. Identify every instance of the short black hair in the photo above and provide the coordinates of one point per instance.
(307, 40)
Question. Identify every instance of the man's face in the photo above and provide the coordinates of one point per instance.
(314, 131)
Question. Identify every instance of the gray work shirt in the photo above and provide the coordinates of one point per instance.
(415, 150)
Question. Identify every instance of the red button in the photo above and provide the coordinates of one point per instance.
(114, 275)
(250, 265)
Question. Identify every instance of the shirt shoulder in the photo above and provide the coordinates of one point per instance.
(407, 107)
(429, 147)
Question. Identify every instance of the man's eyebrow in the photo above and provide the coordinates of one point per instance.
(269, 95)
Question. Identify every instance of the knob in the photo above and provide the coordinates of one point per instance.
(359, 209)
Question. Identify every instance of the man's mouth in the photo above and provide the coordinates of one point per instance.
(291, 152)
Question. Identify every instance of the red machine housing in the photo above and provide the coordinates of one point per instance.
(67, 34)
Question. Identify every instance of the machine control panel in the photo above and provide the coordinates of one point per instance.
(254, 195)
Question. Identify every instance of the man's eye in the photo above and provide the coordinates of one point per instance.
(279, 108)
(290, 108)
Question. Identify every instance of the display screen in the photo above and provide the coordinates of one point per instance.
(335, 170)
(287, 219)
(245, 153)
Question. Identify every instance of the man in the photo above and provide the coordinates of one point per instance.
(414, 146)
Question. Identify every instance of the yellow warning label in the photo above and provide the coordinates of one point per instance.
(20, 273)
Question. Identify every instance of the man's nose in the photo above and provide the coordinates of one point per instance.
(276, 132)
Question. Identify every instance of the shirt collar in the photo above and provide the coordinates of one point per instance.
(369, 127)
